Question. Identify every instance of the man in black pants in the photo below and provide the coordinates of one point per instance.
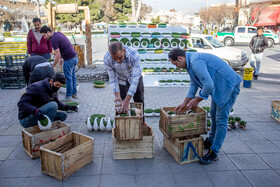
(123, 67)
(36, 68)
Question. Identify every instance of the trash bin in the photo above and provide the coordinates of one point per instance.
(248, 77)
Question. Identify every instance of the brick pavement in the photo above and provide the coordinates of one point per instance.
(248, 158)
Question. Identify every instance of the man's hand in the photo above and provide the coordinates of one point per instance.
(193, 103)
(124, 107)
(74, 108)
(40, 115)
(118, 98)
(182, 106)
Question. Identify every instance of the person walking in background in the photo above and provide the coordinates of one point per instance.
(36, 68)
(215, 78)
(36, 43)
(63, 48)
(257, 44)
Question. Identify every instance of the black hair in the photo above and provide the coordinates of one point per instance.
(45, 29)
(114, 47)
(260, 28)
(36, 20)
(59, 77)
(174, 53)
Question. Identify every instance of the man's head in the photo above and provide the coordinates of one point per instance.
(46, 32)
(37, 24)
(117, 51)
(178, 57)
(259, 31)
(57, 81)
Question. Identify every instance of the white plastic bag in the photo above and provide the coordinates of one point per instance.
(95, 125)
(109, 125)
(89, 126)
(101, 125)
(45, 127)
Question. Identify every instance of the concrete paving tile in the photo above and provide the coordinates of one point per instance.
(37, 170)
(16, 168)
(184, 168)
(5, 152)
(92, 168)
(236, 147)
(228, 178)
(248, 135)
(263, 147)
(19, 154)
(98, 150)
(108, 150)
(110, 166)
(198, 179)
(13, 130)
(82, 181)
(278, 171)
(45, 181)
(156, 165)
(271, 135)
(231, 137)
(224, 163)
(272, 159)
(277, 143)
(260, 178)
(250, 117)
(162, 180)
(118, 180)
(248, 161)
(3, 129)
(9, 141)
(1, 162)
(12, 182)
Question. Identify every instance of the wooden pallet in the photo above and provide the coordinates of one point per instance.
(185, 150)
(182, 125)
(65, 156)
(138, 149)
(33, 138)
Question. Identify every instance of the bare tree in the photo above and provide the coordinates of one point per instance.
(135, 13)
(107, 6)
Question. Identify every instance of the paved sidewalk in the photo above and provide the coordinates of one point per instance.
(248, 158)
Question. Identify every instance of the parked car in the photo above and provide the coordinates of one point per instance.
(2, 38)
(236, 58)
(244, 34)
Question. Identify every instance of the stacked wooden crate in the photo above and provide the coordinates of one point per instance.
(130, 138)
(182, 134)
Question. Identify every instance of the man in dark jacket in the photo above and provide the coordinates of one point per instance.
(36, 43)
(257, 45)
(41, 99)
(36, 68)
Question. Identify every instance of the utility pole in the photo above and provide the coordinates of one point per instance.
(236, 12)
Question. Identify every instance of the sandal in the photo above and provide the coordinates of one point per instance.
(243, 127)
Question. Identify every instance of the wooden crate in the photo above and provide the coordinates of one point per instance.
(33, 138)
(275, 110)
(65, 156)
(129, 127)
(185, 150)
(138, 149)
(182, 125)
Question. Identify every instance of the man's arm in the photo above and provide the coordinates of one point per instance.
(29, 43)
(265, 43)
(26, 72)
(251, 43)
(57, 57)
(26, 99)
(49, 46)
(112, 75)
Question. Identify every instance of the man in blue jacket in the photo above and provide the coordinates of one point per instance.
(41, 99)
(215, 78)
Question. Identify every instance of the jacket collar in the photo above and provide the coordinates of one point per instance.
(46, 82)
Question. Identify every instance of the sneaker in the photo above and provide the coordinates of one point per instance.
(209, 158)
(66, 99)
(207, 144)
(75, 96)
(255, 77)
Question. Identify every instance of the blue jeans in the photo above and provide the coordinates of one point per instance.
(46, 55)
(50, 109)
(70, 75)
(256, 58)
(219, 119)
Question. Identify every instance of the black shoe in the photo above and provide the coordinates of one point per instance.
(255, 77)
(207, 144)
(209, 158)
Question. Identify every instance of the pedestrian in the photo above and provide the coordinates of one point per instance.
(36, 43)
(123, 67)
(41, 99)
(63, 48)
(257, 44)
(215, 78)
(36, 68)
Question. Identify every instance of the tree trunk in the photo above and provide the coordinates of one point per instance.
(138, 10)
(38, 9)
(133, 18)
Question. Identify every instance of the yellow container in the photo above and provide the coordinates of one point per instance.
(248, 70)
(248, 74)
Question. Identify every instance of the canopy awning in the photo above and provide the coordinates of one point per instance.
(268, 16)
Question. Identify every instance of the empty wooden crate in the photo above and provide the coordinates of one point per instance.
(66, 155)
(129, 127)
(185, 150)
(182, 125)
(136, 149)
(275, 110)
(33, 138)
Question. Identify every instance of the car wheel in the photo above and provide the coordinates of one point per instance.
(228, 41)
(270, 42)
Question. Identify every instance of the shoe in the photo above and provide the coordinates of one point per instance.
(209, 158)
(255, 77)
(66, 99)
(207, 144)
(75, 96)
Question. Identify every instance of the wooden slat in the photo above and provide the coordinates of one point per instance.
(59, 142)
